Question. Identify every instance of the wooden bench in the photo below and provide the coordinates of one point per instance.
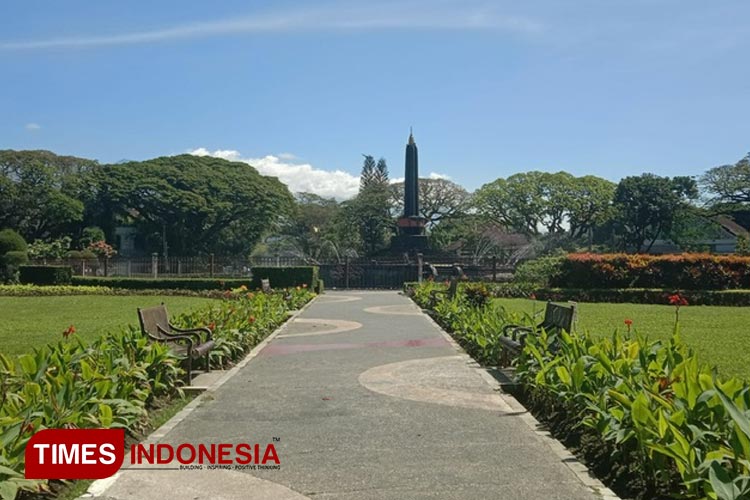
(185, 343)
(556, 317)
(450, 293)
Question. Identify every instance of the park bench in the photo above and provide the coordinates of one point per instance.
(556, 317)
(450, 293)
(185, 343)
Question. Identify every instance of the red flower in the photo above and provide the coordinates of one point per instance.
(212, 326)
(678, 300)
(69, 331)
(27, 427)
(251, 319)
(628, 322)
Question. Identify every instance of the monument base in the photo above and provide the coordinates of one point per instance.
(409, 243)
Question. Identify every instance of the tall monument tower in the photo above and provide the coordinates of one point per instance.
(411, 226)
(411, 179)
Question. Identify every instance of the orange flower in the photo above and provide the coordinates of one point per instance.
(212, 326)
(251, 319)
(69, 331)
(250, 295)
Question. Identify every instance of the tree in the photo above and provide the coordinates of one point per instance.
(39, 192)
(590, 204)
(439, 199)
(728, 186)
(369, 211)
(199, 204)
(647, 205)
(308, 230)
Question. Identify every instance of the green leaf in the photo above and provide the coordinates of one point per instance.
(105, 415)
(743, 423)
(722, 483)
(8, 490)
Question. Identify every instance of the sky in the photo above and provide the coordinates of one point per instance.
(302, 89)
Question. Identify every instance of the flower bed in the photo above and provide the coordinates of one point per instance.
(645, 416)
(112, 381)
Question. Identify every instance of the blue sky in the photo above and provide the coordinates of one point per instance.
(302, 89)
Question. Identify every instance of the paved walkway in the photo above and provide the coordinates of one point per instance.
(369, 400)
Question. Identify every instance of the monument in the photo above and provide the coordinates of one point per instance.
(411, 226)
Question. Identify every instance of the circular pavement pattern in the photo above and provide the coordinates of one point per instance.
(445, 380)
(399, 309)
(308, 327)
(328, 298)
(221, 483)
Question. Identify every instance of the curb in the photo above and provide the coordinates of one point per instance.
(99, 487)
(576, 467)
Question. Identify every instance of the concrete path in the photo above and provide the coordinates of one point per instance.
(368, 399)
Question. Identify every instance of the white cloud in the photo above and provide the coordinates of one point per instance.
(32, 127)
(334, 17)
(432, 175)
(297, 175)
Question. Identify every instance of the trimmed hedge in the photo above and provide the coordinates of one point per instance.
(644, 296)
(163, 283)
(683, 271)
(45, 275)
(283, 277)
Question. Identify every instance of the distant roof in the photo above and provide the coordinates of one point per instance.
(731, 226)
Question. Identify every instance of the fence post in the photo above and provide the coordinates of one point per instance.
(179, 266)
(155, 265)
(420, 267)
(106, 266)
(211, 269)
(346, 272)
(129, 268)
(494, 268)
(83, 267)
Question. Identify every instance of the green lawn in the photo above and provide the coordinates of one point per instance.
(720, 335)
(27, 322)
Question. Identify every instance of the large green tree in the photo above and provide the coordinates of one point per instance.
(728, 186)
(646, 207)
(40, 192)
(199, 204)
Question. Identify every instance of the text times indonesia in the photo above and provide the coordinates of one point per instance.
(99, 453)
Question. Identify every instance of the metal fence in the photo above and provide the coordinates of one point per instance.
(383, 273)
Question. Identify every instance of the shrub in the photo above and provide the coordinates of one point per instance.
(11, 241)
(12, 254)
(685, 271)
(46, 275)
(163, 283)
(477, 295)
(541, 271)
(82, 255)
(283, 277)
(320, 288)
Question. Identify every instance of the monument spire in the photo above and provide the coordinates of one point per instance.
(411, 179)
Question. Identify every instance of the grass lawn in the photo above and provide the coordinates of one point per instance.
(720, 335)
(29, 322)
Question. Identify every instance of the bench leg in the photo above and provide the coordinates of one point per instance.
(189, 369)
(208, 362)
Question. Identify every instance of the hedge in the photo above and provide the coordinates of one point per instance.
(283, 277)
(163, 283)
(683, 271)
(45, 275)
(643, 296)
